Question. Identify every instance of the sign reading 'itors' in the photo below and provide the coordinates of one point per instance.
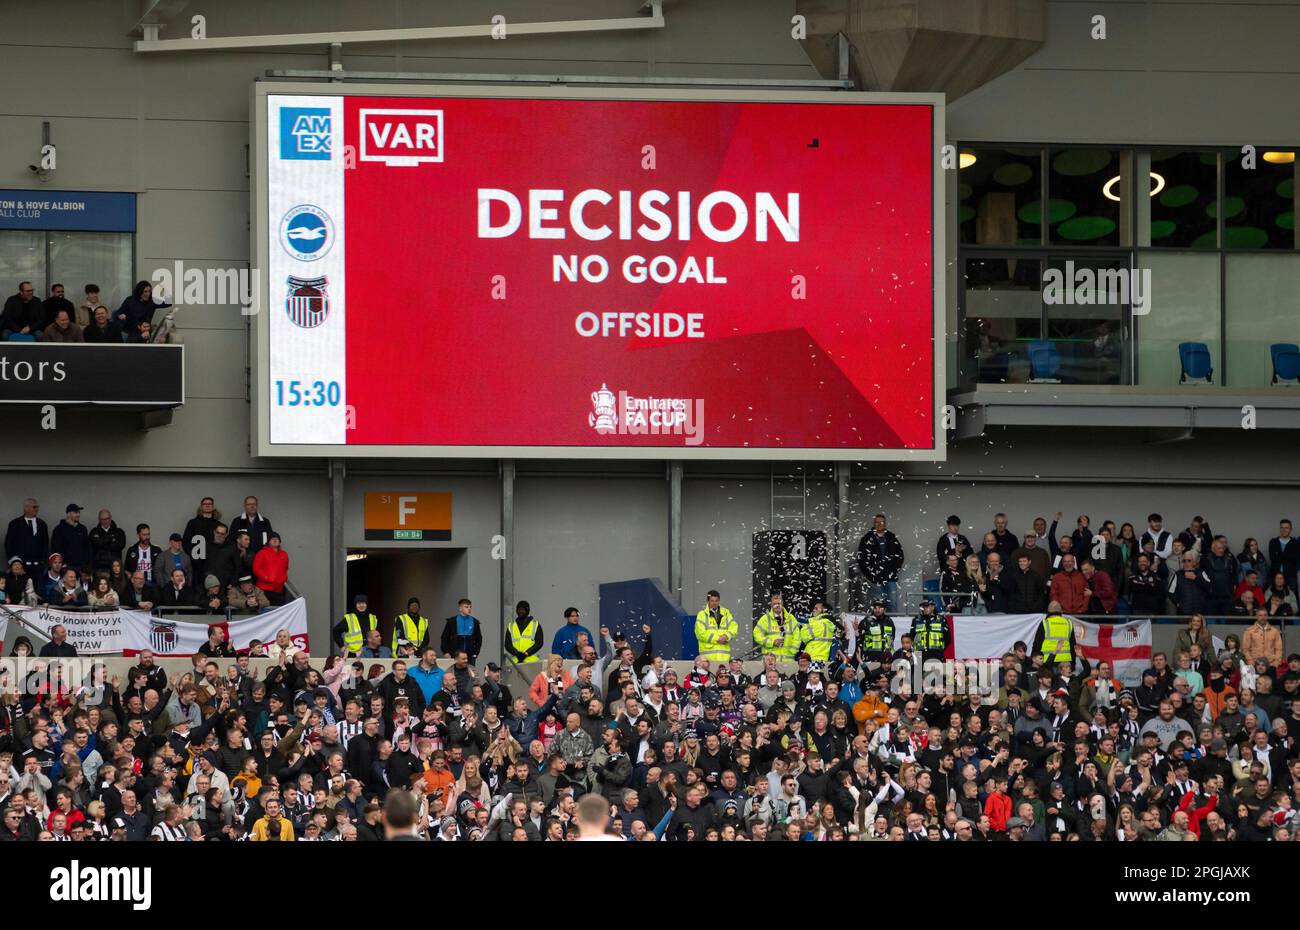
(139, 376)
(408, 516)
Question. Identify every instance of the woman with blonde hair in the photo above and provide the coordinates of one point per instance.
(554, 674)
(504, 748)
(472, 783)
(975, 574)
(1194, 633)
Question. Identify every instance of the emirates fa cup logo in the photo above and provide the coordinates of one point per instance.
(603, 418)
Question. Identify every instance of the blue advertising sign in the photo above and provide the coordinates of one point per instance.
(92, 211)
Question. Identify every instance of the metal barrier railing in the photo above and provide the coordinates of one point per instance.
(908, 606)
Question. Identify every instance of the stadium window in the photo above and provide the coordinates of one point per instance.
(1085, 190)
(1183, 210)
(73, 238)
(1259, 201)
(81, 258)
(999, 196)
(1003, 313)
(22, 258)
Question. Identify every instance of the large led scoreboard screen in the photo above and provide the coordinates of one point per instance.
(462, 272)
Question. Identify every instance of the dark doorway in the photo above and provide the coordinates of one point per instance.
(388, 577)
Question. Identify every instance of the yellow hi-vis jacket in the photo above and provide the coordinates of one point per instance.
(768, 630)
(1056, 639)
(409, 628)
(354, 637)
(930, 634)
(523, 640)
(709, 632)
(819, 637)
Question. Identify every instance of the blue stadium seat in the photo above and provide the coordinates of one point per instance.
(1044, 361)
(1286, 361)
(21, 337)
(1195, 359)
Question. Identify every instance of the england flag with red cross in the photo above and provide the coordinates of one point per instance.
(1126, 646)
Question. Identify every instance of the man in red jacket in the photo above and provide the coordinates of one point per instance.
(997, 806)
(1100, 591)
(1068, 587)
(271, 569)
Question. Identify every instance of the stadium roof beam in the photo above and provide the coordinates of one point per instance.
(154, 14)
(655, 20)
(947, 46)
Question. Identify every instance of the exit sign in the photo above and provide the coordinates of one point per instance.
(408, 515)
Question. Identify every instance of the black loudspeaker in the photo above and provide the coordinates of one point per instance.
(793, 563)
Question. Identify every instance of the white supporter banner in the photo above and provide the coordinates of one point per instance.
(98, 633)
(110, 632)
(169, 636)
(991, 636)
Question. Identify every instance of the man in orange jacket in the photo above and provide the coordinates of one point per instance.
(874, 704)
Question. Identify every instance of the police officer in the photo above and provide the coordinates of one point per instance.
(350, 632)
(777, 632)
(715, 629)
(929, 632)
(877, 635)
(819, 634)
(410, 626)
(524, 636)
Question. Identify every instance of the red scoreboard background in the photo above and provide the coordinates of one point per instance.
(738, 278)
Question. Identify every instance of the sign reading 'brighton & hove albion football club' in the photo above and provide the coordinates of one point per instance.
(98, 211)
(454, 271)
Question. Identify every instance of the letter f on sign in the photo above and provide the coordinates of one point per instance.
(403, 508)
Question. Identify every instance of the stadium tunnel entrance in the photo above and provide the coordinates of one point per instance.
(438, 577)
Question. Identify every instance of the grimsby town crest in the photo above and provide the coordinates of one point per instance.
(162, 636)
(307, 303)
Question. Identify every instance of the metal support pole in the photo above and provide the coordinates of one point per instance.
(507, 563)
(338, 553)
(675, 529)
(840, 580)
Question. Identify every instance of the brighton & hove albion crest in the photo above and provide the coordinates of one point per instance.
(603, 418)
(306, 232)
(307, 303)
(162, 636)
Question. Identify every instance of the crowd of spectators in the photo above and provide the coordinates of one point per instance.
(600, 739)
(802, 751)
(28, 318)
(209, 566)
(1115, 570)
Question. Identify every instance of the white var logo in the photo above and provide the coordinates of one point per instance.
(401, 138)
(103, 883)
